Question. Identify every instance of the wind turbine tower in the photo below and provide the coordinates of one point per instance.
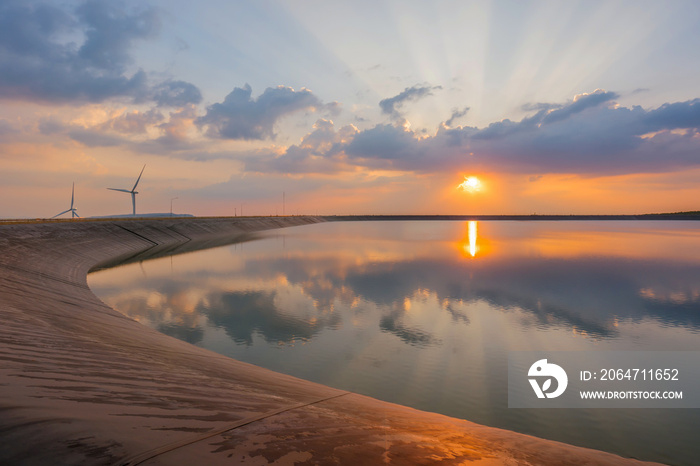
(72, 210)
(133, 191)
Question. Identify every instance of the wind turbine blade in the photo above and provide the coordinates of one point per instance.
(58, 215)
(121, 190)
(139, 178)
(133, 200)
(72, 196)
(75, 214)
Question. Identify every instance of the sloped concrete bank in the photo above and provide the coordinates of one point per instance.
(82, 384)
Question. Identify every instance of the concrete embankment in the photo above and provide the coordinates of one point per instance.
(81, 383)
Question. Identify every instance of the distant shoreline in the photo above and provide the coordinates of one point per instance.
(343, 218)
(534, 217)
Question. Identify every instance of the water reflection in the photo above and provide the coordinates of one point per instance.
(242, 314)
(424, 313)
(469, 246)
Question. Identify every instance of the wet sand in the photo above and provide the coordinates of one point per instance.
(81, 383)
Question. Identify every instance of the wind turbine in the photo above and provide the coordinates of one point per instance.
(133, 191)
(72, 210)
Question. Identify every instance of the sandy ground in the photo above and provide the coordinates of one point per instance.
(82, 384)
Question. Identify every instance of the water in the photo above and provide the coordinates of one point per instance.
(425, 313)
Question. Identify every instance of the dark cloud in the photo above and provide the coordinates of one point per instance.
(592, 138)
(110, 31)
(674, 116)
(27, 29)
(385, 142)
(392, 105)
(240, 116)
(538, 106)
(395, 148)
(39, 63)
(176, 94)
(590, 134)
(503, 128)
(551, 112)
(456, 114)
(580, 103)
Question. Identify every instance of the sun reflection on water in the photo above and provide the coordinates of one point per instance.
(472, 238)
(469, 245)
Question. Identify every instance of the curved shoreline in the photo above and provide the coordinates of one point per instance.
(81, 383)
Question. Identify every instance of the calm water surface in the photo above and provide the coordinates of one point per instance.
(425, 313)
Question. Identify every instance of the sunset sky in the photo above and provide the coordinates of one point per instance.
(349, 107)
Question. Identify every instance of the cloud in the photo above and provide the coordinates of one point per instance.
(674, 116)
(110, 31)
(176, 128)
(6, 127)
(456, 114)
(595, 138)
(176, 94)
(133, 131)
(28, 29)
(580, 103)
(552, 112)
(391, 106)
(48, 126)
(538, 106)
(240, 116)
(589, 135)
(41, 62)
(320, 151)
(547, 114)
(134, 122)
(94, 138)
(385, 142)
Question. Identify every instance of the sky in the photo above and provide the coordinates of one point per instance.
(367, 107)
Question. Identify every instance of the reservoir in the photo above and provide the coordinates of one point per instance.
(425, 313)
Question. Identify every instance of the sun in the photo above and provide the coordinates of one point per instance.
(470, 184)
